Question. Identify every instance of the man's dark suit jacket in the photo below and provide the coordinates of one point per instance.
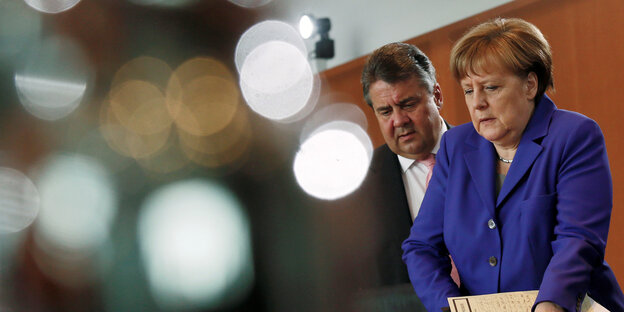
(372, 223)
(384, 193)
(366, 230)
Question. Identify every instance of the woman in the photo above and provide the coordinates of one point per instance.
(521, 198)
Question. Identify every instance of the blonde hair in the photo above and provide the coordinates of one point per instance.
(512, 43)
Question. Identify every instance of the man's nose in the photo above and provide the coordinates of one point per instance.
(399, 118)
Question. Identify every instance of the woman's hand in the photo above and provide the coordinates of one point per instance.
(547, 306)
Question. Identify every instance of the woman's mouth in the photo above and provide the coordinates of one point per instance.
(486, 120)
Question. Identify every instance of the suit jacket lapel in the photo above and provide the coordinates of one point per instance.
(523, 160)
(479, 158)
(529, 147)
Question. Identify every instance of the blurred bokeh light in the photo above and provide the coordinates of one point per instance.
(195, 245)
(140, 107)
(264, 32)
(137, 95)
(129, 117)
(334, 112)
(277, 81)
(250, 3)
(78, 203)
(274, 67)
(54, 78)
(208, 104)
(52, 6)
(333, 161)
(276, 78)
(224, 148)
(202, 96)
(20, 26)
(143, 68)
(19, 201)
(127, 142)
(165, 118)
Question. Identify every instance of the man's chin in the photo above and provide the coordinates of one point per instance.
(409, 152)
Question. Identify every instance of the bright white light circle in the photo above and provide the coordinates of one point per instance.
(334, 112)
(78, 203)
(306, 26)
(19, 201)
(297, 97)
(52, 6)
(54, 80)
(277, 81)
(195, 244)
(333, 162)
(273, 67)
(264, 32)
(250, 3)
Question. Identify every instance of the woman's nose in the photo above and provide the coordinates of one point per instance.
(479, 100)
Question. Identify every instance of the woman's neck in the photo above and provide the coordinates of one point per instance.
(506, 152)
(505, 157)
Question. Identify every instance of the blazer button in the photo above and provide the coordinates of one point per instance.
(492, 261)
(491, 224)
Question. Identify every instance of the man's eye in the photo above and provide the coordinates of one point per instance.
(491, 88)
(408, 107)
(467, 91)
(384, 113)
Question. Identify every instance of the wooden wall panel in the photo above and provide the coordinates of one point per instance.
(587, 38)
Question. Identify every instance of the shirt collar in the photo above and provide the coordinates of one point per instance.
(406, 163)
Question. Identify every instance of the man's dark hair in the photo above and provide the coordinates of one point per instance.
(396, 62)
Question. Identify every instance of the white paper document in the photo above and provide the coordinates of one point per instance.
(519, 301)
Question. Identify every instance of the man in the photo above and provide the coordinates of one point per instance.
(399, 83)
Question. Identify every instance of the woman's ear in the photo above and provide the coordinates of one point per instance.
(531, 86)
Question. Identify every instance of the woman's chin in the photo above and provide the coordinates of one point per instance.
(491, 136)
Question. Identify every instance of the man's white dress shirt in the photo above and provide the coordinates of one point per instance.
(414, 175)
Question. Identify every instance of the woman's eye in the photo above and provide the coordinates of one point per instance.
(491, 88)
(467, 91)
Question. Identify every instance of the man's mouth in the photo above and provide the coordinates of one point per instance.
(406, 135)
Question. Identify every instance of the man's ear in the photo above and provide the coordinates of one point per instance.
(437, 96)
(531, 86)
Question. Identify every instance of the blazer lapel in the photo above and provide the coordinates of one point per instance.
(523, 160)
(479, 158)
(529, 147)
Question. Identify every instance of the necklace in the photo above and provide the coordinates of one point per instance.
(507, 161)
